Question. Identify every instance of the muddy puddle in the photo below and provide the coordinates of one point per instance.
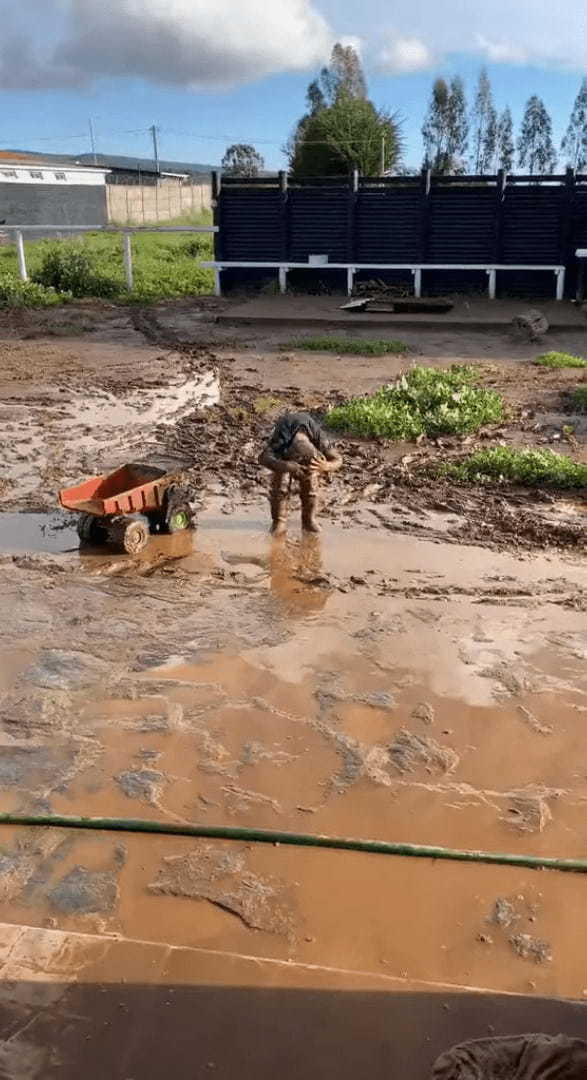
(356, 683)
(37, 533)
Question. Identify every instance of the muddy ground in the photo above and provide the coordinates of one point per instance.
(133, 381)
(415, 673)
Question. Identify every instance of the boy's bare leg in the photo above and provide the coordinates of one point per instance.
(309, 488)
(279, 500)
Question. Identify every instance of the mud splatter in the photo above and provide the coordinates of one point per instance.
(85, 892)
(424, 712)
(533, 722)
(531, 948)
(60, 669)
(142, 784)
(527, 813)
(504, 913)
(409, 752)
(223, 878)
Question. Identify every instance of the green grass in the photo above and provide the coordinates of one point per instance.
(166, 265)
(347, 347)
(530, 467)
(20, 294)
(266, 403)
(560, 360)
(424, 401)
(580, 397)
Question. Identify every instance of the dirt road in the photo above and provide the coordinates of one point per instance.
(415, 673)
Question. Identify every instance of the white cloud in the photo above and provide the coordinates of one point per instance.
(405, 55)
(200, 43)
(542, 33)
(211, 43)
(502, 52)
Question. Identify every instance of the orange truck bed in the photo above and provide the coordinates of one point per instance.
(132, 489)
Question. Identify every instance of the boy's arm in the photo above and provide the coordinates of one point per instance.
(277, 465)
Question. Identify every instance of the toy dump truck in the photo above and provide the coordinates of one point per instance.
(123, 507)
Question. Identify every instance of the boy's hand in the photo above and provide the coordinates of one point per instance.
(320, 465)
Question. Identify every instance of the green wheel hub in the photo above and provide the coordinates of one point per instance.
(179, 520)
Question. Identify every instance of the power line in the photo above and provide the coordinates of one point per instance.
(221, 138)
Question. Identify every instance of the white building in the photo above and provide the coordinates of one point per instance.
(44, 193)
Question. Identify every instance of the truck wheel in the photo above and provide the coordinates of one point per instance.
(179, 518)
(129, 534)
(90, 529)
(157, 521)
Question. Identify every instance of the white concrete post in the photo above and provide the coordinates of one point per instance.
(283, 279)
(492, 276)
(350, 280)
(417, 272)
(127, 256)
(560, 283)
(20, 255)
(217, 282)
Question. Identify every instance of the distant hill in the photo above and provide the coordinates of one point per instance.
(122, 161)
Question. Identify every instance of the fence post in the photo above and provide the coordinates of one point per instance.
(283, 219)
(567, 248)
(426, 214)
(219, 245)
(20, 255)
(127, 257)
(351, 235)
(501, 185)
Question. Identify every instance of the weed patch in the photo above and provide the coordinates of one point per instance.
(347, 347)
(529, 467)
(424, 401)
(560, 360)
(70, 269)
(580, 397)
(20, 294)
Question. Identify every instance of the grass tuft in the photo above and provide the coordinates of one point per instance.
(560, 360)
(530, 467)
(580, 397)
(424, 401)
(348, 347)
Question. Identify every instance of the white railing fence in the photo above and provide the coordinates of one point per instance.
(17, 232)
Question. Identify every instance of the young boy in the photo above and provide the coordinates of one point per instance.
(298, 449)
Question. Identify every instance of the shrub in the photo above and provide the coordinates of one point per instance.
(428, 401)
(70, 269)
(580, 397)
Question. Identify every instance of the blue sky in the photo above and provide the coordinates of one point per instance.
(212, 71)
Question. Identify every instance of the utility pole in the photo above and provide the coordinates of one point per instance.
(383, 155)
(93, 141)
(154, 133)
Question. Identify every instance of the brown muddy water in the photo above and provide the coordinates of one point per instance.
(357, 683)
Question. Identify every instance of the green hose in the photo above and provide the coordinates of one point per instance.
(270, 836)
